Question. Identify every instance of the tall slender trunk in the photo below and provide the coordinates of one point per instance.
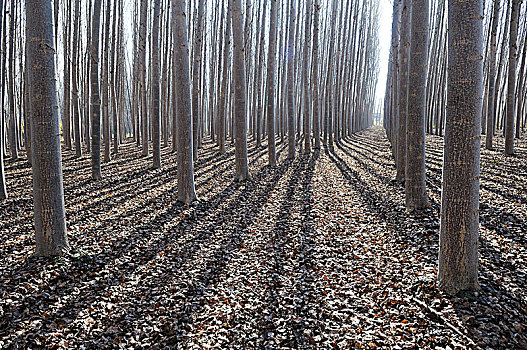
(415, 183)
(105, 84)
(511, 81)
(240, 110)
(271, 84)
(196, 78)
(3, 190)
(458, 242)
(142, 75)
(156, 117)
(403, 92)
(66, 115)
(75, 87)
(48, 190)
(182, 99)
(95, 97)
(12, 128)
(290, 80)
(308, 102)
(316, 101)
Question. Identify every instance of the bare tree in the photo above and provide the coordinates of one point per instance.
(271, 84)
(48, 191)
(95, 97)
(3, 190)
(290, 80)
(142, 75)
(404, 47)
(156, 117)
(458, 242)
(75, 86)
(415, 183)
(511, 88)
(182, 99)
(240, 109)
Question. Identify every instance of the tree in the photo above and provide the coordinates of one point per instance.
(105, 85)
(240, 110)
(12, 129)
(156, 117)
(142, 75)
(196, 75)
(3, 191)
(307, 87)
(290, 81)
(66, 117)
(404, 47)
(95, 97)
(74, 73)
(48, 191)
(316, 102)
(511, 85)
(415, 183)
(458, 251)
(182, 99)
(271, 84)
(491, 79)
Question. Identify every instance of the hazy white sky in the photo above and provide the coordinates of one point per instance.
(385, 33)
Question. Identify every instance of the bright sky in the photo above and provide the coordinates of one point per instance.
(385, 34)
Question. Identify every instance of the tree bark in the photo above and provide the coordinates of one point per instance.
(240, 110)
(491, 111)
(404, 47)
(156, 117)
(511, 81)
(316, 102)
(3, 190)
(182, 99)
(271, 85)
(458, 242)
(75, 87)
(415, 183)
(308, 102)
(142, 75)
(290, 81)
(95, 97)
(48, 191)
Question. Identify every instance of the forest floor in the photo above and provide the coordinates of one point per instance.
(316, 253)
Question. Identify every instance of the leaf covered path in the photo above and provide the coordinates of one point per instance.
(315, 253)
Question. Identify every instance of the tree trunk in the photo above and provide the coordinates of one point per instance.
(458, 252)
(290, 81)
(196, 81)
(182, 99)
(156, 117)
(307, 88)
(66, 116)
(75, 94)
(415, 183)
(240, 110)
(142, 75)
(404, 47)
(95, 97)
(3, 191)
(13, 141)
(316, 102)
(48, 191)
(271, 84)
(105, 84)
(511, 81)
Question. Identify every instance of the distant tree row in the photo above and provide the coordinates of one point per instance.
(172, 73)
